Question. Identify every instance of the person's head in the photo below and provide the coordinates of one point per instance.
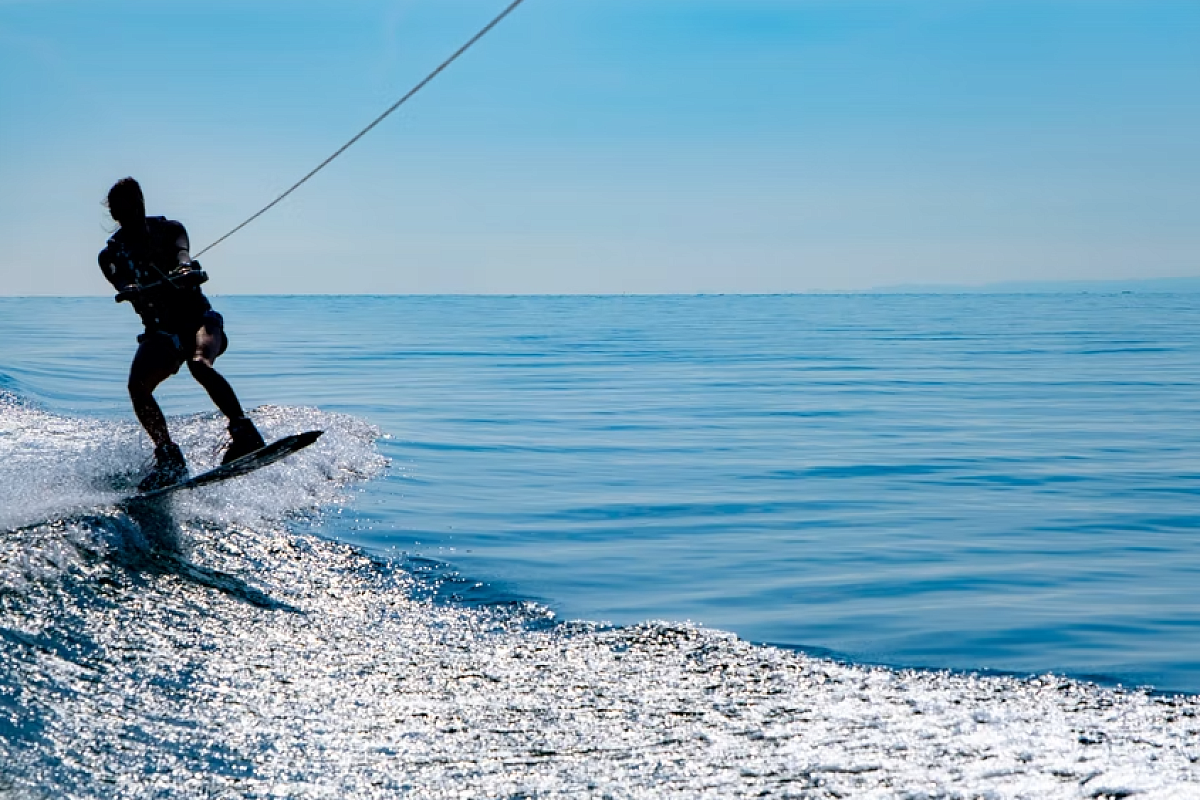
(125, 202)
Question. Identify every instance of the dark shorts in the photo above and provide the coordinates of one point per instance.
(176, 348)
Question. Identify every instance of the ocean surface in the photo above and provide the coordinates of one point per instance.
(893, 546)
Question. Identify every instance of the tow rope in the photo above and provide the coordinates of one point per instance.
(364, 131)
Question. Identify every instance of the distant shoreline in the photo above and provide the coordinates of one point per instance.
(1152, 285)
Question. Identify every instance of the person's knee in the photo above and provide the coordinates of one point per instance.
(202, 370)
(200, 367)
(140, 388)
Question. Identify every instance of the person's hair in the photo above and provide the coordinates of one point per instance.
(125, 202)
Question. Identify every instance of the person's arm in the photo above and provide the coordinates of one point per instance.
(183, 258)
(187, 273)
(116, 268)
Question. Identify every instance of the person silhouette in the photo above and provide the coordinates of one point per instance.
(148, 263)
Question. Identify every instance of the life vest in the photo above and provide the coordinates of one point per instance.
(127, 259)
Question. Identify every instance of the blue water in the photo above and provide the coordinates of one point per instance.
(1003, 482)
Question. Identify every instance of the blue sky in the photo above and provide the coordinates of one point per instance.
(609, 145)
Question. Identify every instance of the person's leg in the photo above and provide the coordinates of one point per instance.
(210, 343)
(156, 359)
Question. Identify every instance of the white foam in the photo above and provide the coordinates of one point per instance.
(53, 467)
(269, 664)
(255, 661)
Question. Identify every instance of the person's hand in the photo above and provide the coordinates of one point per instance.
(188, 275)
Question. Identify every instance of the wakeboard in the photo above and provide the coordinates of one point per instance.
(258, 459)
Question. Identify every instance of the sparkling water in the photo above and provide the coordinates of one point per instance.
(613, 547)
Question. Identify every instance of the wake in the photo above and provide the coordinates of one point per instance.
(56, 469)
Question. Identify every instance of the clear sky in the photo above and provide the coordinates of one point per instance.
(608, 145)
